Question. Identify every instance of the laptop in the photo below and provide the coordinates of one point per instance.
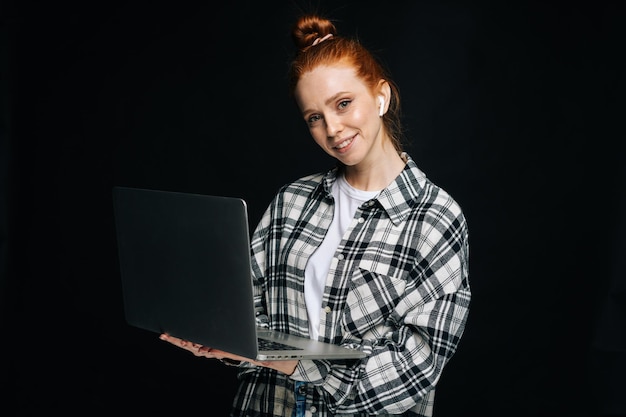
(185, 271)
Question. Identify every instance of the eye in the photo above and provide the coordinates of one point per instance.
(343, 104)
(313, 119)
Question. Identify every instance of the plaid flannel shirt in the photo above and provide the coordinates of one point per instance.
(398, 287)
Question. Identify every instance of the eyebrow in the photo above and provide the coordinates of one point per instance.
(334, 97)
(328, 101)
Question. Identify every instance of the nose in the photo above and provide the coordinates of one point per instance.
(333, 125)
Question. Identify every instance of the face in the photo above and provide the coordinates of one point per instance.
(341, 112)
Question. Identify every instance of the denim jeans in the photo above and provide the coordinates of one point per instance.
(300, 394)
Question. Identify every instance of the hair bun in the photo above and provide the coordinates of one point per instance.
(308, 28)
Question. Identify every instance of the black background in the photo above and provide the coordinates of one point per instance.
(515, 108)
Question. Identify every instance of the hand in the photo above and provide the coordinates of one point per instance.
(198, 349)
(286, 367)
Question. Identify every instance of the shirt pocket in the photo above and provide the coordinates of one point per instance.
(371, 298)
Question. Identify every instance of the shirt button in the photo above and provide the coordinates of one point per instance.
(361, 220)
(327, 310)
(313, 409)
(302, 390)
(340, 256)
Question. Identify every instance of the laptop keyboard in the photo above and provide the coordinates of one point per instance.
(265, 344)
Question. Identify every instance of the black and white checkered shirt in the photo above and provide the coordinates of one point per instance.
(398, 287)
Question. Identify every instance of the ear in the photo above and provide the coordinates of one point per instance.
(383, 91)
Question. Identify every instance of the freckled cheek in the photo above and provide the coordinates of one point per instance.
(359, 117)
(366, 121)
(356, 119)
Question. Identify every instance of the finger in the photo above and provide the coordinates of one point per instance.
(221, 354)
(185, 344)
(168, 338)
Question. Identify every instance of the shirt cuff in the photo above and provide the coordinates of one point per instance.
(311, 371)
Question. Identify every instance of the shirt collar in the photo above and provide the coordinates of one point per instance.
(403, 194)
(399, 198)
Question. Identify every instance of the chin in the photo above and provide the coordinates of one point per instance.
(348, 161)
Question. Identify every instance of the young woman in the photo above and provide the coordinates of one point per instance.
(370, 253)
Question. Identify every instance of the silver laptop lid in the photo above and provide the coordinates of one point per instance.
(172, 252)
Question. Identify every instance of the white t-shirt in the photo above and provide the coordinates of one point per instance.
(347, 200)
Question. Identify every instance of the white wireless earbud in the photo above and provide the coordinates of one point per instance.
(382, 107)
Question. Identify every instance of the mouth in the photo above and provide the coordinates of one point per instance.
(345, 143)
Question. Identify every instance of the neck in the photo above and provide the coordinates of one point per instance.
(376, 175)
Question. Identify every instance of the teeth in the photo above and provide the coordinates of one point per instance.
(344, 143)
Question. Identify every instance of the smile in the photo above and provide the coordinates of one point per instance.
(345, 143)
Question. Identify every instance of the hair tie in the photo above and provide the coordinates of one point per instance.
(318, 40)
